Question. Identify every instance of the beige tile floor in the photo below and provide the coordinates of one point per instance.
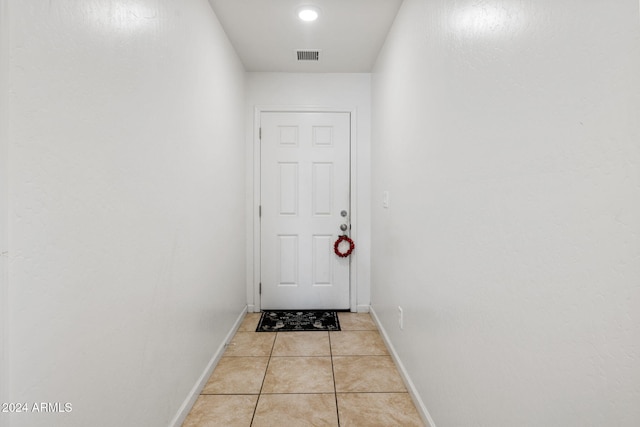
(296, 379)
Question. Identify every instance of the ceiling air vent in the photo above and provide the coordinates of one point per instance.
(308, 55)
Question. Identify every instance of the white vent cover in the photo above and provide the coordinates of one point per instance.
(308, 55)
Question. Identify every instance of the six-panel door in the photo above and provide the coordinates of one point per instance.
(305, 184)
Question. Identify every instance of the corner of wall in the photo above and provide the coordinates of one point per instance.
(411, 388)
(191, 398)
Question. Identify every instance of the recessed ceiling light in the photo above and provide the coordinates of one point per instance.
(308, 14)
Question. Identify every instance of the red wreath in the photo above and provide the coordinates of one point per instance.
(341, 239)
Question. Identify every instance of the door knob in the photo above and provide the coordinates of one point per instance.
(343, 227)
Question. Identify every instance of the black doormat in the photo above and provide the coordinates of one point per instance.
(297, 320)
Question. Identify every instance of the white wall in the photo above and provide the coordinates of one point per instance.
(508, 136)
(4, 303)
(126, 168)
(350, 91)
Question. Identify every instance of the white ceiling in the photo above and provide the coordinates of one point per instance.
(267, 33)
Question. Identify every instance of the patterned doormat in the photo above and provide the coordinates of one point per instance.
(294, 320)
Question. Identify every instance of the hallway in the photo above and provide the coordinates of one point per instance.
(495, 178)
(296, 379)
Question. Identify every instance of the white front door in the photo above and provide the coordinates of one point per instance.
(304, 192)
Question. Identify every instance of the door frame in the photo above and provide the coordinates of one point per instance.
(253, 249)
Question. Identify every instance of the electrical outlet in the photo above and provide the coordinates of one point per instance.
(401, 317)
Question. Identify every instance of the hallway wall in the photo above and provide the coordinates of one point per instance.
(507, 134)
(4, 129)
(126, 216)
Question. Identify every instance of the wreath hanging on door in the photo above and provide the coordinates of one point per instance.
(336, 246)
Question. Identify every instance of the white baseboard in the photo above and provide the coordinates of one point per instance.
(202, 381)
(252, 308)
(362, 309)
(411, 388)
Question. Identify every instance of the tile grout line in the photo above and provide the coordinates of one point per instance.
(333, 373)
(255, 409)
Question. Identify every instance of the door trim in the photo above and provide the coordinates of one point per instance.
(253, 247)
